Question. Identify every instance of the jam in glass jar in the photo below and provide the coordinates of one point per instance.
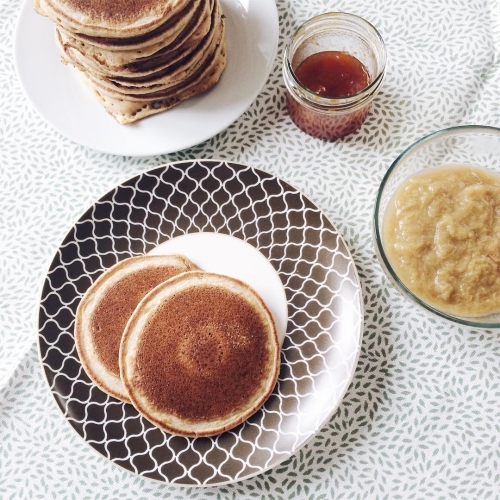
(333, 68)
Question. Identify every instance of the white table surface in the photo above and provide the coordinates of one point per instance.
(422, 416)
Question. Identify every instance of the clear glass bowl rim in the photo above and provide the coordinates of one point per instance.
(386, 266)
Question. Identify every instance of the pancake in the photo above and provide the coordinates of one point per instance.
(133, 62)
(200, 354)
(110, 18)
(136, 63)
(133, 71)
(106, 307)
(175, 74)
(213, 58)
(128, 109)
(160, 37)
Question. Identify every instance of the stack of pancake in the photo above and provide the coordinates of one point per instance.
(196, 353)
(141, 57)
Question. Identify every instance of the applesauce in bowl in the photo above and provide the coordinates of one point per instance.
(442, 237)
(437, 224)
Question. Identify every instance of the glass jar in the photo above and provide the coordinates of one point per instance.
(325, 117)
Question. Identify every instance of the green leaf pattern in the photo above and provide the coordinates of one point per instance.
(422, 416)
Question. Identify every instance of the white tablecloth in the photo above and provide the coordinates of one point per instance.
(422, 416)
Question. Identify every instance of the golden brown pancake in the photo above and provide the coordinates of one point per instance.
(141, 61)
(200, 354)
(163, 35)
(176, 73)
(133, 71)
(128, 109)
(110, 18)
(106, 307)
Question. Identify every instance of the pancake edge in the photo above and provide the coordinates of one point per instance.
(103, 378)
(84, 23)
(150, 303)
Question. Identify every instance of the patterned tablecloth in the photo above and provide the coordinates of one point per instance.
(421, 418)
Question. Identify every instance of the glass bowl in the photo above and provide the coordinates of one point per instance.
(467, 145)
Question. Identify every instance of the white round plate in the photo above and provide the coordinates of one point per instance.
(224, 254)
(56, 92)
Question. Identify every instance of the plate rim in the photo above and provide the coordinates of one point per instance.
(157, 151)
(312, 434)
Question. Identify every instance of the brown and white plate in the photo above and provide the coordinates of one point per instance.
(236, 220)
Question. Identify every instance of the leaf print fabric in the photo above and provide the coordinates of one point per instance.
(420, 419)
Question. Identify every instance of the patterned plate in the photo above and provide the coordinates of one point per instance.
(322, 344)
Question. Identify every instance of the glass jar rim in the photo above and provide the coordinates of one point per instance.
(340, 103)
